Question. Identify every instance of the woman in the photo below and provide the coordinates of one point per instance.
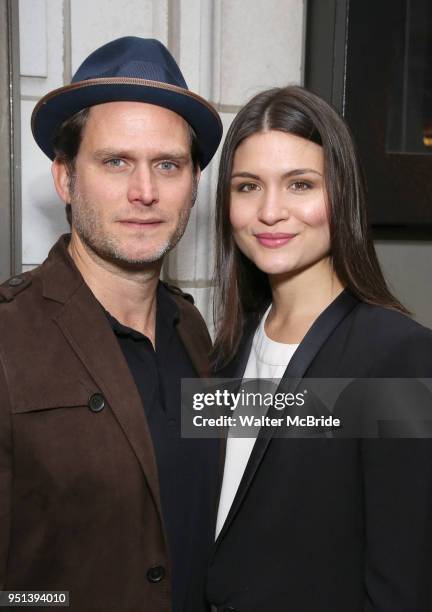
(312, 524)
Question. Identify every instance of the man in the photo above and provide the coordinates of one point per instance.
(99, 495)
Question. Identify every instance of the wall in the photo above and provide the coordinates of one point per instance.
(228, 50)
(408, 268)
(55, 36)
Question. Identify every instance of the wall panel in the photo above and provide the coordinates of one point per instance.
(227, 51)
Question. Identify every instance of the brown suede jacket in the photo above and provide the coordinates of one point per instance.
(79, 496)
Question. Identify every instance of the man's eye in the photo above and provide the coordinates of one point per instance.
(247, 187)
(300, 186)
(114, 162)
(167, 165)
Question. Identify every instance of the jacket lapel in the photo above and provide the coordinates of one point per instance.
(312, 343)
(89, 334)
(197, 342)
(87, 330)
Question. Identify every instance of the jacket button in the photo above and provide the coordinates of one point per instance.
(16, 281)
(155, 574)
(96, 402)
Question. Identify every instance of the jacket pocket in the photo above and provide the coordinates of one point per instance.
(70, 394)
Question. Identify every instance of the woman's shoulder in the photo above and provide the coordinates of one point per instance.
(389, 322)
(396, 342)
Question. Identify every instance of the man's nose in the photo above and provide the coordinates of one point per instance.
(273, 207)
(142, 188)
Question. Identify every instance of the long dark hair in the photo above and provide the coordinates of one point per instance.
(243, 291)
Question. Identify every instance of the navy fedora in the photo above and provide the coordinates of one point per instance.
(128, 69)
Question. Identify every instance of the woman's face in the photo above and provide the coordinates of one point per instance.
(278, 202)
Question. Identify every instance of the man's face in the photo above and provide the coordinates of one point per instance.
(133, 185)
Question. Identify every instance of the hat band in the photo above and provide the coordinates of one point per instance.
(124, 81)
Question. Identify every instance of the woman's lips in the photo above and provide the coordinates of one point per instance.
(273, 241)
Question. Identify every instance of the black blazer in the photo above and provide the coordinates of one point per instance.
(334, 525)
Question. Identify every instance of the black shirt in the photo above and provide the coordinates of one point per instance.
(188, 468)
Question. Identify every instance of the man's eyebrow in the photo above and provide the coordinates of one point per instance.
(295, 172)
(171, 154)
(104, 153)
(176, 155)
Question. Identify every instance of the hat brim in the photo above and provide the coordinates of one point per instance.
(58, 105)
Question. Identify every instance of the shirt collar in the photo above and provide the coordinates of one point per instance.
(167, 317)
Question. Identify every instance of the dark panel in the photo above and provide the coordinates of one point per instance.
(326, 34)
(373, 61)
(382, 67)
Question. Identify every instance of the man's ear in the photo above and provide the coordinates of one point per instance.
(61, 178)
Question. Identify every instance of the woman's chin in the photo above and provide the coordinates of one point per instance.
(275, 267)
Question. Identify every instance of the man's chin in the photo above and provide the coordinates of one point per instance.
(131, 259)
(134, 260)
(125, 254)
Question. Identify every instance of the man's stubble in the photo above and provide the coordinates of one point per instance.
(85, 220)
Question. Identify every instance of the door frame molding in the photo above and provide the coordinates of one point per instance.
(10, 142)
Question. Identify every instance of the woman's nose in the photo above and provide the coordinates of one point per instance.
(273, 206)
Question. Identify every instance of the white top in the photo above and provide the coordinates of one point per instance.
(268, 359)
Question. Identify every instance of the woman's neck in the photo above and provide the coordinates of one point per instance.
(299, 299)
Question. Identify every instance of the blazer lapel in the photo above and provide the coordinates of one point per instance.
(316, 337)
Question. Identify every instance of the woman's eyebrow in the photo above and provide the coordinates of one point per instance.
(298, 171)
(244, 175)
(295, 172)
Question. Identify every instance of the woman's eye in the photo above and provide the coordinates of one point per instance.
(300, 186)
(114, 163)
(247, 187)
